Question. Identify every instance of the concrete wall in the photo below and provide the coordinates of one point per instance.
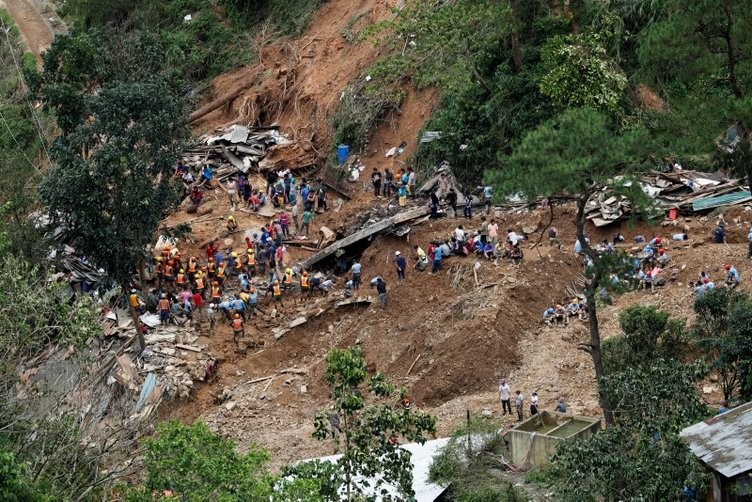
(534, 441)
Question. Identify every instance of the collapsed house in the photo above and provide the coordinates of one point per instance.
(682, 192)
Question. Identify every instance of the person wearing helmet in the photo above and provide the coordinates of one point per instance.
(238, 327)
(220, 275)
(216, 293)
(732, 276)
(169, 274)
(164, 309)
(231, 261)
(305, 285)
(250, 262)
(253, 304)
(211, 269)
(277, 292)
(180, 279)
(232, 224)
(133, 301)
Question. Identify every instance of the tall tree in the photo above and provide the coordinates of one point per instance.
(724, 332)
(574, 156)
(706, 41)
(370, 434)
(120, 136)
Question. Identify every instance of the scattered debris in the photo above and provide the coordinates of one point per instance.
(240, 149)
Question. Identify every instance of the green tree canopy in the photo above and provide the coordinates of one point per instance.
(195, 463)
(370, 434)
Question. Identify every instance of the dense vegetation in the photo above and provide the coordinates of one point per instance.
(506, 67)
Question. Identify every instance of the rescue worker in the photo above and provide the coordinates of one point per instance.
(238, 328)
(232, 225)
(287, 281)
(220, 275)
(251, 262)
(277, 292)
(216, 293)
(211, 269)
(305, 286)
(169, 274)
(160, 269)
(180, 279)
(199, 284)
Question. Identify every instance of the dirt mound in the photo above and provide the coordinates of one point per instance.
(298, 83)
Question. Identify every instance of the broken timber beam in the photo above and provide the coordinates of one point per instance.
(375, 229)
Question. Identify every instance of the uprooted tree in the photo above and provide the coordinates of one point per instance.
(575, 156)
(120, 133)
(369, 434)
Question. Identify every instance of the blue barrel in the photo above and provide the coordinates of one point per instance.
(343, 151)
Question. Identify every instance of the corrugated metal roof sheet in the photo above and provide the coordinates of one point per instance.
(721, 200)
(724, 442)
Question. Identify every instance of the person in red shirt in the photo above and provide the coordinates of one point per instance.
(211, 249)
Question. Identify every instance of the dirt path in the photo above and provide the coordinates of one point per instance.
(35, 30)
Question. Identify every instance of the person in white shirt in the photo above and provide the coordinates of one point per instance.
(504, 395)
(459, 234)
(513, 238)
(534, 404)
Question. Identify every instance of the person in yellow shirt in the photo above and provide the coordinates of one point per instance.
(134, 302)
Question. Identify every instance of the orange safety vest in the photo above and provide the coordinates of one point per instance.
(238, 264)
(215, 292)
(304, 281)
(160, 268)
(168, 272)
(210, 267)
(277, 290)
(251, 259)
(237, 324)
(288, 279)
(180, 279)
(221, 272)
(192, 267)
(199, 283)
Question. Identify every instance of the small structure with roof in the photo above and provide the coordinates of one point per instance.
(724, 446)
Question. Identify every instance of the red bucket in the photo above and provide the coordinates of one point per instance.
(672, 213)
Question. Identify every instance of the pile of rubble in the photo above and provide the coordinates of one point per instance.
(684, 192)
(168, 368)
(240, 149)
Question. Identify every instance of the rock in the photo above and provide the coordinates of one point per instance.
(288, 381)
(303, 389)
(229, 405)
(708, 389)
(274, 313)
(567, 337)
(330, 329)
(486, 413)
(714, 378)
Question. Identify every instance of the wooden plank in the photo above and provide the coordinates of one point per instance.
(187, 347)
